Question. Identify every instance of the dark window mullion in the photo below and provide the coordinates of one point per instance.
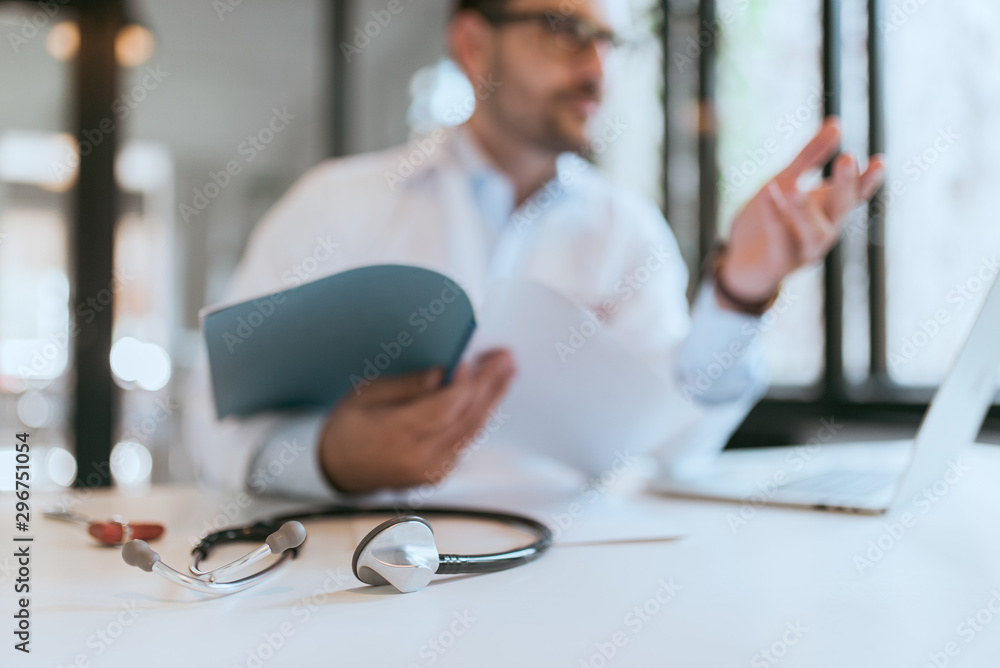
(833, 275)
(708, 170)
(339, 32)
(665, 102)
(95, 396)
(876, 210)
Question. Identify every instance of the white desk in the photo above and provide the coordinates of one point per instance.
(739, 593)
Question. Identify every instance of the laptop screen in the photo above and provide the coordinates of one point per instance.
(959, 407)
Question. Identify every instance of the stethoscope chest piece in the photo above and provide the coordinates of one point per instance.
(400, 552)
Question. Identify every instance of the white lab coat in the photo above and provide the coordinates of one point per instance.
(438, 202)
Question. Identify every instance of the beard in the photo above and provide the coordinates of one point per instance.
(557, 123)
(567, 128)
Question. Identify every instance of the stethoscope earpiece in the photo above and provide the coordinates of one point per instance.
(289, 535)
(138, 553)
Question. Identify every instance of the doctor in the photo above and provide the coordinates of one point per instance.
(503, 195)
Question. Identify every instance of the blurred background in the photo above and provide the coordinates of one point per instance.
(715, 96)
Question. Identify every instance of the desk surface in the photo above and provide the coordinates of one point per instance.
(784, 588)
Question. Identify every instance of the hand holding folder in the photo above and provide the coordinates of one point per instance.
(311, 345)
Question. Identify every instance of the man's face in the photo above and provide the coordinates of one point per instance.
(550, 85)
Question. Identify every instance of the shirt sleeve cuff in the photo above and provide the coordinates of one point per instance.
(288, 463)
(721, 360)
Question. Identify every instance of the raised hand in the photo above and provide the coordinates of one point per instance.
(783, 228)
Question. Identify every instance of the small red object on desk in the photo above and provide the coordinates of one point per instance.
(119, 533)
(116, 531)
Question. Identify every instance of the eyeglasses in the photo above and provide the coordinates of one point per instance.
(569, 34)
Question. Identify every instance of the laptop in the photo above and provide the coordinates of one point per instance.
(867, 478)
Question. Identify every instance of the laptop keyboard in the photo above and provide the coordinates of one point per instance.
(840, 483)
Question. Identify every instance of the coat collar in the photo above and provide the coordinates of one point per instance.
(456, 148)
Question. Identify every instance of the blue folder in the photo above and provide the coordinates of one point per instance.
(309, 345)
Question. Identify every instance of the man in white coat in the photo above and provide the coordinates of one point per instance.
(500, 197)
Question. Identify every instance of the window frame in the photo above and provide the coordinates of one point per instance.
(795, 408)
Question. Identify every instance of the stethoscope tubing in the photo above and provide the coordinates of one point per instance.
(210, 585)
(449, 563)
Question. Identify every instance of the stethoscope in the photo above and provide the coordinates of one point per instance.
(400, 552)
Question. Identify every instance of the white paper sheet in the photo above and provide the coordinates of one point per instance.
(591, 408)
